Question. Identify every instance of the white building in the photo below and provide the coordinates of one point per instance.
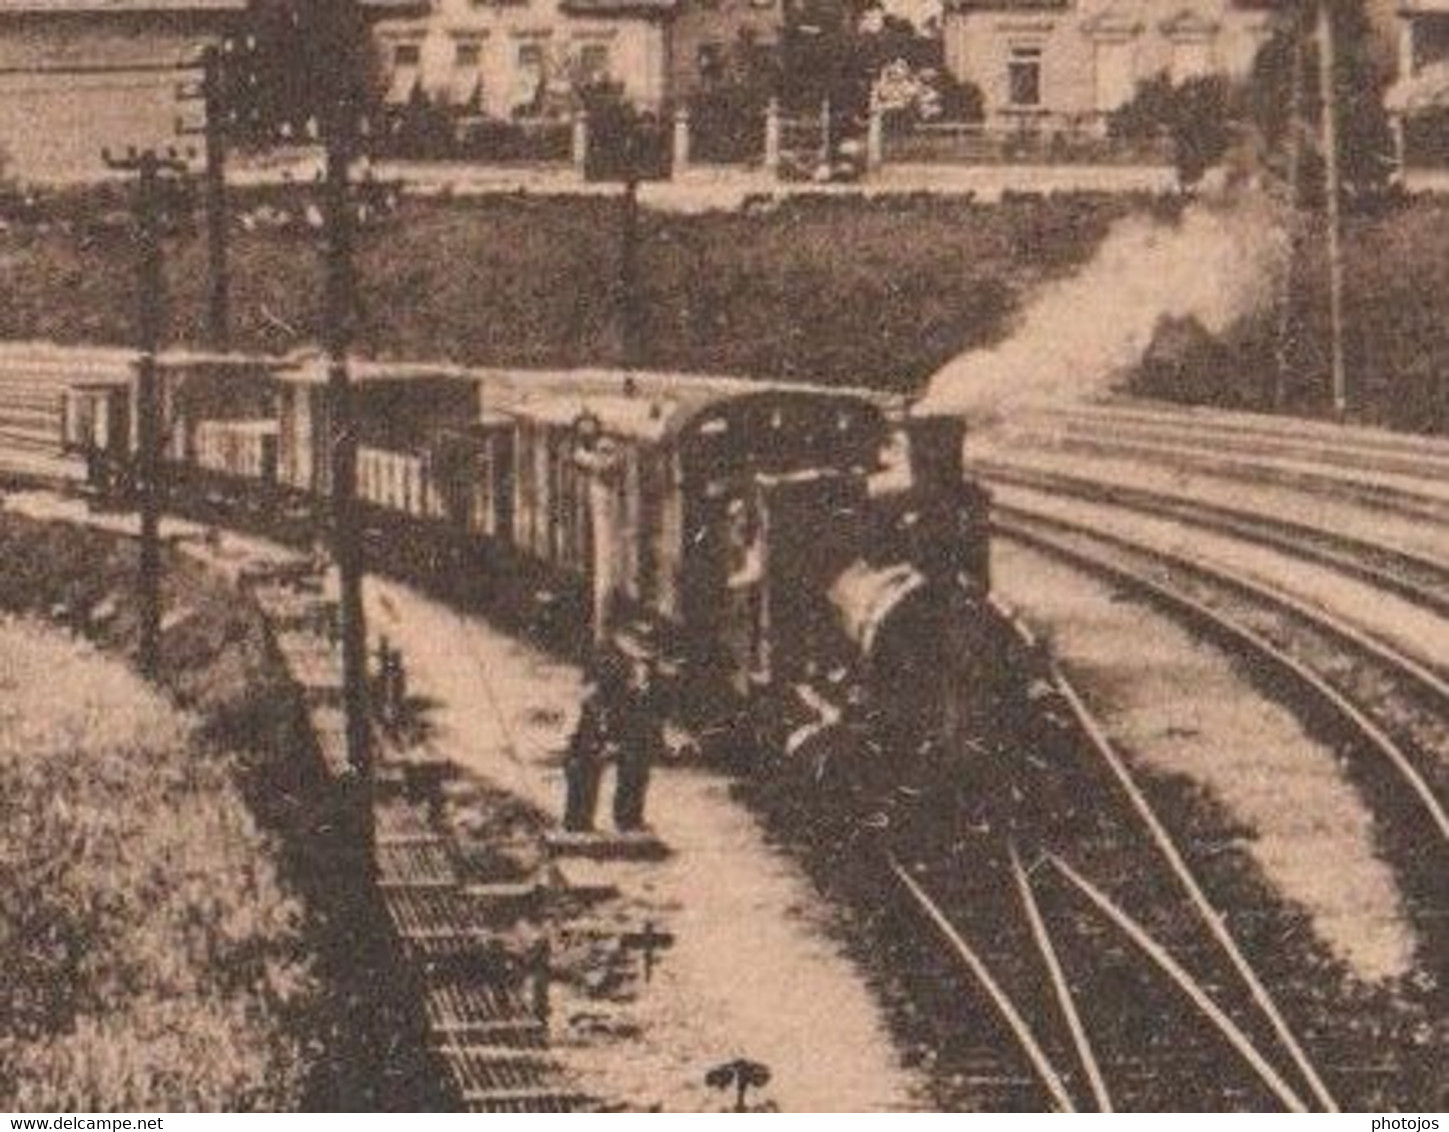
(80, 75)
(496, 54)
(1074, 61)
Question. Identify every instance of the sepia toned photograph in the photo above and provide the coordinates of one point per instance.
(724, 556)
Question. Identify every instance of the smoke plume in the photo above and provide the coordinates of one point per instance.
(1216, 263)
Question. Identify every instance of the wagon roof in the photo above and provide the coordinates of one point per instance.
(108, 364)
(647, 404)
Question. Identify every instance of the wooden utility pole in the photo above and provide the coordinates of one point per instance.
(1286, 320)
(340, 127)
(629, 263)
(228, 94)
(218, 313)
(150, 170)
(1328, 90)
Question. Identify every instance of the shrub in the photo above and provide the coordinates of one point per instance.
(727, 123)
(1197, 115)
(624, 142)
(150, 956)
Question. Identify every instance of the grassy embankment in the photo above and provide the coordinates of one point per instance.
(177, 928)
(874, 292)
(1396, 320)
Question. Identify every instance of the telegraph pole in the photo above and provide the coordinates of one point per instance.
(1328, 90)
(340, 126)
(150, 169)
(218, 314)
(227, 92)
(1295, 177)
(629, 263)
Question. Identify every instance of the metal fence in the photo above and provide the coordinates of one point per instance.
(976, 144)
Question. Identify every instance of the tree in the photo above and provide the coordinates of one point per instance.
(728, 114)
(307, 51)
(1197, 115)
(905, 73)
(1365, 141)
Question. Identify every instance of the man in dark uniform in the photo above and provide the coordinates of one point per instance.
(641, 742)
(593, 743)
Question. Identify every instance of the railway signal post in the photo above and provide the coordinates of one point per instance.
(153, 171)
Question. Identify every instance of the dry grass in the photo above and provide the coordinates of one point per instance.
(150, 955)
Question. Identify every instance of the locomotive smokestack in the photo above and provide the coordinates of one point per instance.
(947, 539)
(937, 466)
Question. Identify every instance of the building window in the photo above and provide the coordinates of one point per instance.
(529, 76)
(467, 55)
(594, 62)
(403, 83)
(1023, 76)
(710, 59)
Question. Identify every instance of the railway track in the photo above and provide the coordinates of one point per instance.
(1395, 706)
(1420, 457)
(1412, 576)
(1388, 714)
(1406, 476)
(1130, 919)
(1114, 980)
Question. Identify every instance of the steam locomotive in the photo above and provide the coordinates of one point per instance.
(789, 556)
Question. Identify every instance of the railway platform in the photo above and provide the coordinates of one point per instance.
(662, 955)
(730, 951)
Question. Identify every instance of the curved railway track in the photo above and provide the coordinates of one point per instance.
(1421, 457)
(1391, 704)
(1387, 712)
(1114, 978)
(1414, 577)
(1405, 475)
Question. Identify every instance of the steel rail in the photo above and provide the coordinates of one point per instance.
(1065, 999)
(1347, 556)
(1162, 839)
(1245, 638)
(1385, 653)
(1408, 504)
(1208, 912)
(1345, 453)
(1185, 982)
(1020, 1030)
(1308, 430)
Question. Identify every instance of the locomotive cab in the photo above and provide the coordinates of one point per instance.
(773, 504)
